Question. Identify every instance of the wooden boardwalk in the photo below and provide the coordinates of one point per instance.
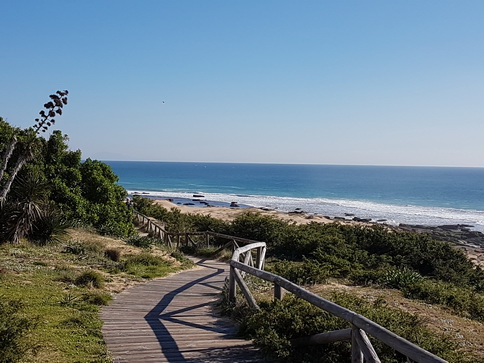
(174, 319)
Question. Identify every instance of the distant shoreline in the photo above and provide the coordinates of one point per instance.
(456, 233)
(470, 242)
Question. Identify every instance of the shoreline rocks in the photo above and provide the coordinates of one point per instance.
(456, 233)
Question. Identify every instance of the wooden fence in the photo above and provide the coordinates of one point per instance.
(359, 327)
(249, 257)
(157, 229)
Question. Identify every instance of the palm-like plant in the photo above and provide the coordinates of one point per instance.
(24, 197)
(24, 208)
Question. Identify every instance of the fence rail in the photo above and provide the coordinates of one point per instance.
(250, 258)
(360, 326)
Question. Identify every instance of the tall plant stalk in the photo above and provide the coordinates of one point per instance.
(52, 108)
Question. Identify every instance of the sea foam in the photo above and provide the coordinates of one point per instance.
(391, 214)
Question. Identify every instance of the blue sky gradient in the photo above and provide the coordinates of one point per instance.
(326, 82)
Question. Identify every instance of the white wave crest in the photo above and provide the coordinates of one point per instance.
(393, 214)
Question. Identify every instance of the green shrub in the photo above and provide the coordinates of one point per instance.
(142, 241)
(306, 272)
(400, 278)
(180, 257)
(259, 227)
(90, 279)
(14, 330)
(273, 327)
(462, 300)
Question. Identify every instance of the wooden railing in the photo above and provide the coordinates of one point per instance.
(157, 229)
(360, 327)
(249, 259)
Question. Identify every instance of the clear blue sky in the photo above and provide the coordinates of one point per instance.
(329, 82)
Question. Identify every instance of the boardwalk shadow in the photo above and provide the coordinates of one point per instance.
(158, 318)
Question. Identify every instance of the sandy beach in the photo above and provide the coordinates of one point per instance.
(229, 214)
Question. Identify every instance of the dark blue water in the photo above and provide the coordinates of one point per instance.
(417, 195)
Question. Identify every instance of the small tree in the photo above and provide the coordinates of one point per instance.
(27, 197)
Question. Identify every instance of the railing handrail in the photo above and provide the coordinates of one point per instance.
(384, 335)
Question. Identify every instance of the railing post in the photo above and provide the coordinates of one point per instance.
(356, 353)
(278, 292)
(232, 286)
(261, 255)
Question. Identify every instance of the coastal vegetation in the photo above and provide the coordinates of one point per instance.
(372, 256)
(45, 187)
(50, 296)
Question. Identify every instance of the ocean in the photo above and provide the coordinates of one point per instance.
(428, 196)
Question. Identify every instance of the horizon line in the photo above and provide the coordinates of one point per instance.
(286, 163)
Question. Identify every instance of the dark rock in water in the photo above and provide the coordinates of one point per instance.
(233, 205)
(349, 215)
(188, 204)
(298, 209)
(364, 220)
(417, 226)
(449, 227)
(195, 200)
(381, 220)
(198, 196)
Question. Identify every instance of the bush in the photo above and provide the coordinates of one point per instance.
(180, 257)
(260, 228)
(14, 329)
(142, 241)
(400, 278)
(463, 300)
(90, 279)
(273, 327)
(307, 272)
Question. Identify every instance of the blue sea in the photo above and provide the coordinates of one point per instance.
(410, 195)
